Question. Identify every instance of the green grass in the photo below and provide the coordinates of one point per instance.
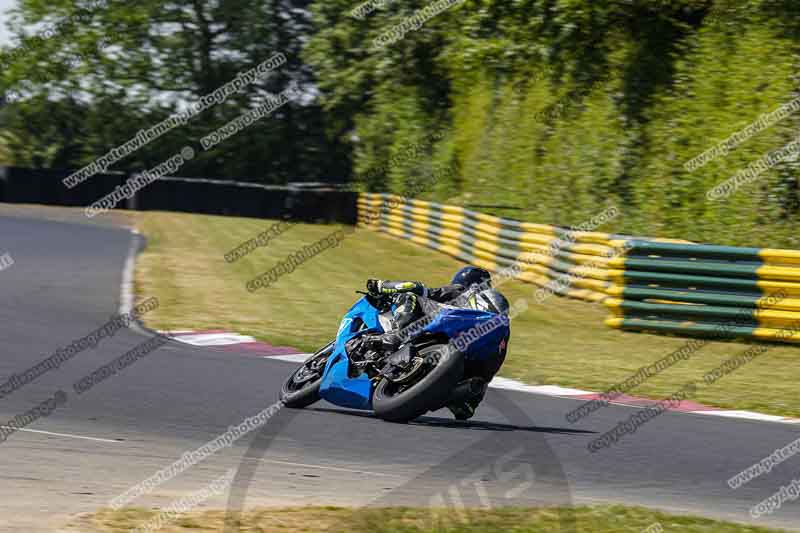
(559, 341)
(606, 519)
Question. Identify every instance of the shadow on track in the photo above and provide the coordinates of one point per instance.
(476, 425)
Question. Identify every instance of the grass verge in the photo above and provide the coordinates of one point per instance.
(560, 341)
(605, 519)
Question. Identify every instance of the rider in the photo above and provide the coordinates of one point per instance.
(470, 287)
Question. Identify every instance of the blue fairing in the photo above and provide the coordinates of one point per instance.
(455, 322)
(337, 387)
(356, 393)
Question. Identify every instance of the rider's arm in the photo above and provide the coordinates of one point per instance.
(445, 294)
(380, 286)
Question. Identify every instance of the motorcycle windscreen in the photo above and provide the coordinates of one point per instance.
(342, 390)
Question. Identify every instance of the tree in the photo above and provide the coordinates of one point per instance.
(133, 65)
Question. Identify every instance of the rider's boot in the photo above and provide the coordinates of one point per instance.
(463, 411)
(470, 393)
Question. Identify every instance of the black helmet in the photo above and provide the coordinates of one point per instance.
(470, 275)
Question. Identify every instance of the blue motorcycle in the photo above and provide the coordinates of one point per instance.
(430, 370)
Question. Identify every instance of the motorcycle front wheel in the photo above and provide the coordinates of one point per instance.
(302, 387)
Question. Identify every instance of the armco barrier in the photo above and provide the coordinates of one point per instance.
(570, 263)
(707, 291)
(301, 201)
(43, 186)
(657, 285)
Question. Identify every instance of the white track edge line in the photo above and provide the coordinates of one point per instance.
(568, 393)
(126, 290)
(82, 437)
(334, 468)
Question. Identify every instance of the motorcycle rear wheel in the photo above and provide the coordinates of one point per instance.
(396, 404)
(302, 387)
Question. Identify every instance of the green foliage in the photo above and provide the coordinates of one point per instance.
(545, 110)
(124, 66)
(551, 110)
(737, 71)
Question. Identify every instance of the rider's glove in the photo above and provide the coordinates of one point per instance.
(374, 286)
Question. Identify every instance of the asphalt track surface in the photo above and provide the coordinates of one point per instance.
(519, 450)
